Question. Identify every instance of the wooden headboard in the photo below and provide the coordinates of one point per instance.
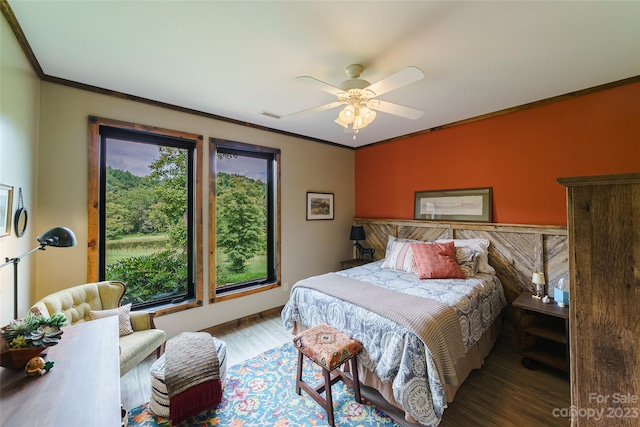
(516, 251)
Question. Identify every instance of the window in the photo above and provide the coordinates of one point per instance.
(145, 213)
(244, 223)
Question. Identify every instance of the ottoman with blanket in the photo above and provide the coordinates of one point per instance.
(188, 378)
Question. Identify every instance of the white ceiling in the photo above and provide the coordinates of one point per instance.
(236, 59)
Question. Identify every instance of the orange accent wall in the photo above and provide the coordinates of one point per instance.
(519, 155)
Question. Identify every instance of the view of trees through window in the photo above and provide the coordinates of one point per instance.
(146, 228)
(241, 219)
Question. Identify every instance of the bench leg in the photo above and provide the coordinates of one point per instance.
(328, 407)
(315, 393)
(356, 380)
(299, 374)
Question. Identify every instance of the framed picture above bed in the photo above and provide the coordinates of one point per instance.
(319, 206)
(471, 204)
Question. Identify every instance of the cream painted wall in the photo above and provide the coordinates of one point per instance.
(308, 247)
(19, 93)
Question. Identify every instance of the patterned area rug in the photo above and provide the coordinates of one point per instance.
(261, 392)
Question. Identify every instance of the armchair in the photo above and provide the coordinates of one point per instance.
(77, 302)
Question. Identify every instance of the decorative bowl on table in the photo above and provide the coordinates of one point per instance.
(24, 339)
(17, 358)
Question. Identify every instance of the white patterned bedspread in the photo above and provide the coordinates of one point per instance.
(389, 350)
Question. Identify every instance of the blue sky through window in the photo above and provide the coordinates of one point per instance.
(246, 166)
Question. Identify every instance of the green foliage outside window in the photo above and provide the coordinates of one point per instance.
(241, 219)
(147, 234)
(148, 277)
(154, 206)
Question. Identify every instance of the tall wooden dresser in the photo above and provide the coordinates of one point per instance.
(604, 301)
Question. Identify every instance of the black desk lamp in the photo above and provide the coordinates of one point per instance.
(60, 237)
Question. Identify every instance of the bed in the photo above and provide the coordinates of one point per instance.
(418, 364)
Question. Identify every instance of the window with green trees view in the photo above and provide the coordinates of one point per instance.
(147, 216)
(246, 220)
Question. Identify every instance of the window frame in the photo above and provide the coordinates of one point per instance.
(95, 170)
(273, 219)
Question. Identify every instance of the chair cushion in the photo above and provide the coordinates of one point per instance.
(134, 348)
(326, 346)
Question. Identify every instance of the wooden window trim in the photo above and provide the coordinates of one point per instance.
(93, 213)
(213, 142)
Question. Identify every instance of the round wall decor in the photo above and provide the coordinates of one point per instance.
(21, 217)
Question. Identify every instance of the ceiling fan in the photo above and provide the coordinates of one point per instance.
(360, 97)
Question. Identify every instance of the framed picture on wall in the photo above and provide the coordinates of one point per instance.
(6, 201)
(319, 206)
(472, 204)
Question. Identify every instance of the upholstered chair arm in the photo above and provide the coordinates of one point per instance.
(142, 320)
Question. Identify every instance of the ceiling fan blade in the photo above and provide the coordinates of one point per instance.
(395, 109)
(311, 81)
(394, 81)
(315, 109)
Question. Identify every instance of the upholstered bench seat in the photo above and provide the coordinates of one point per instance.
(329, 349)
(159, 403)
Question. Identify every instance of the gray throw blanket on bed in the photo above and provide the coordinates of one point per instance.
(190, 359)
(435, 323)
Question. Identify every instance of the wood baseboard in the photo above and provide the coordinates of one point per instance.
(225, 327)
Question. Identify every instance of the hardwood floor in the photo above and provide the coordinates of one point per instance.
(244, 341)
(502, 393)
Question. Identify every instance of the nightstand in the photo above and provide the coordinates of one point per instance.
(542, 332)
(353, 263)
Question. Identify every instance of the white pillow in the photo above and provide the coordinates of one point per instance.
(480, 245)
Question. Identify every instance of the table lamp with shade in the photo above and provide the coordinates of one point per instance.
(357, 234)
(60, 237)
(538, 280)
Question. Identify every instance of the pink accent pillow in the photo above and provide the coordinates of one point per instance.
(437, 261)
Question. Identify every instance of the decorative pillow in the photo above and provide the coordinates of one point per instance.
(480, 245)
(389, 246)
(124, 320)
(392, 239)
(401, 256)
(437, 261)
(467, 259)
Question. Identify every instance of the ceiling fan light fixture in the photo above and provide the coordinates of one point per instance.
(346, 116)
(341, 123)
(358, 123)
(349, 112)
(367, 115)
(355, 115)
(359, 94)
